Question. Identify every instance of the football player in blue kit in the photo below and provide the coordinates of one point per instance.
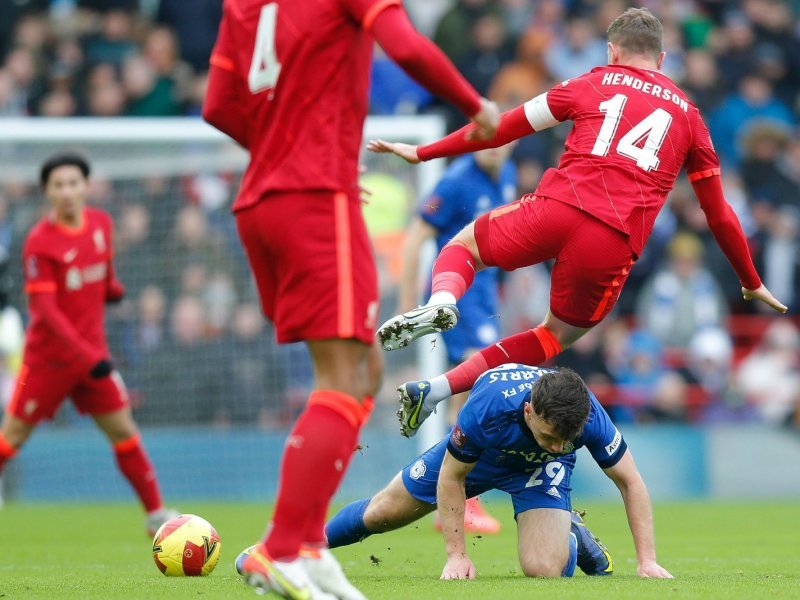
(471, 185)
(518, 432)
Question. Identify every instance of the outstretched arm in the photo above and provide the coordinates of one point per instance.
(514, 124)
(640, 515)
(451, 501)
(728, 232)
(427, 64)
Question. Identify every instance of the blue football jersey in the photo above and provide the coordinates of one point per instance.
(491, 428)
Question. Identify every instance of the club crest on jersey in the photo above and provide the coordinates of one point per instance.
(417, 470)
(99, 240)
(74, 280)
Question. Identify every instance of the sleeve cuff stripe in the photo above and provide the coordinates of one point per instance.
(375, 10)
(703, 174)
(41, 286)
(607, 464)
(461, 457)
(538, 113)
(223, 62)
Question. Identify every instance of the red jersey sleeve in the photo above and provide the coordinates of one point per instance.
(39, 271)
(224, 55)
(365, 11)
(702, 160)
(115, 291)
(561, 98)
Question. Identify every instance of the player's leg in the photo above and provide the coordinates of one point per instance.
(585, 285)
(14, 432)
(391, 508)
(106, 400)
(37, 395)
(546, 547)
(453, 273)
(325, 292)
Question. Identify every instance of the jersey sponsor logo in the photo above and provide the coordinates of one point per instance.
(458, 438)
(612, 447)
(417, 470)
(77, 277)
(532, 456)
(70, 255)
(553, 492)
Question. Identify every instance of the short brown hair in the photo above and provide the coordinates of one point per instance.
(561, 399)
(637, 31)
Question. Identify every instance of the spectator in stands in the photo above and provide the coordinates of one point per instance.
(754, 100)
(187, 371)
(637, 376)
(451, 32)
(682, 297)
(764, 169)
(490, 50)
(780, 254)
(770, 375)
(114, 42)
(701, 80)
(577, 52)
(195, 24)
(256, 394)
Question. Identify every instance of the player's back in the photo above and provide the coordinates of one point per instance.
(306, 66)
(633, 131)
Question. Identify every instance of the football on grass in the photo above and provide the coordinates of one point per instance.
(186, 546)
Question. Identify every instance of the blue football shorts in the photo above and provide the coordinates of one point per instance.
(542, 486)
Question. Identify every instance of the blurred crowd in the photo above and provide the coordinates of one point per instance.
(681, 346)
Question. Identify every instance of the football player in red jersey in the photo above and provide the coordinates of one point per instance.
(633, 130)
(69, 277)
(289, 82)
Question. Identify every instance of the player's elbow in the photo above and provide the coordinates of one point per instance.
(405, 55)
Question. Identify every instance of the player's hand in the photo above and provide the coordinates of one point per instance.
(652, 569)
(364, 193)
(405, 151)
(487, 119)
(102, 369)
(458, 567)
(766, 297)
(115, 292)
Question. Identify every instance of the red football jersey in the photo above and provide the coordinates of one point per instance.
(306, 66)
(73, 264)
(633, 130)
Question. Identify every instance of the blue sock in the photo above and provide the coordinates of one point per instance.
(569, 568)
(347, 526)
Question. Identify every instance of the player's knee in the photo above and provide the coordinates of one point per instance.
(377, 516)
(542, 566)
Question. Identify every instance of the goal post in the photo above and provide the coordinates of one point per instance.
(211, 390)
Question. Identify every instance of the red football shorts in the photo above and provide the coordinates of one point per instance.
(40, 390)
(592, 259)
(313, 264)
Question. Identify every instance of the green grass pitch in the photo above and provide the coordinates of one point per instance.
(716, 550)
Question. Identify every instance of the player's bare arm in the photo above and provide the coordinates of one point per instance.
(451, 501)
(418, 233)
(640, 515)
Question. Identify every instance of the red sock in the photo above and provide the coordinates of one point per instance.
(530, 347)
(7, 451)
(454, 270)
(135, 465)
(315, 459)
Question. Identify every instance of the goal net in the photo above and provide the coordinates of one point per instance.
(212, 392)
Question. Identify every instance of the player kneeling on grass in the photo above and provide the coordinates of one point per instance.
(518, 432)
